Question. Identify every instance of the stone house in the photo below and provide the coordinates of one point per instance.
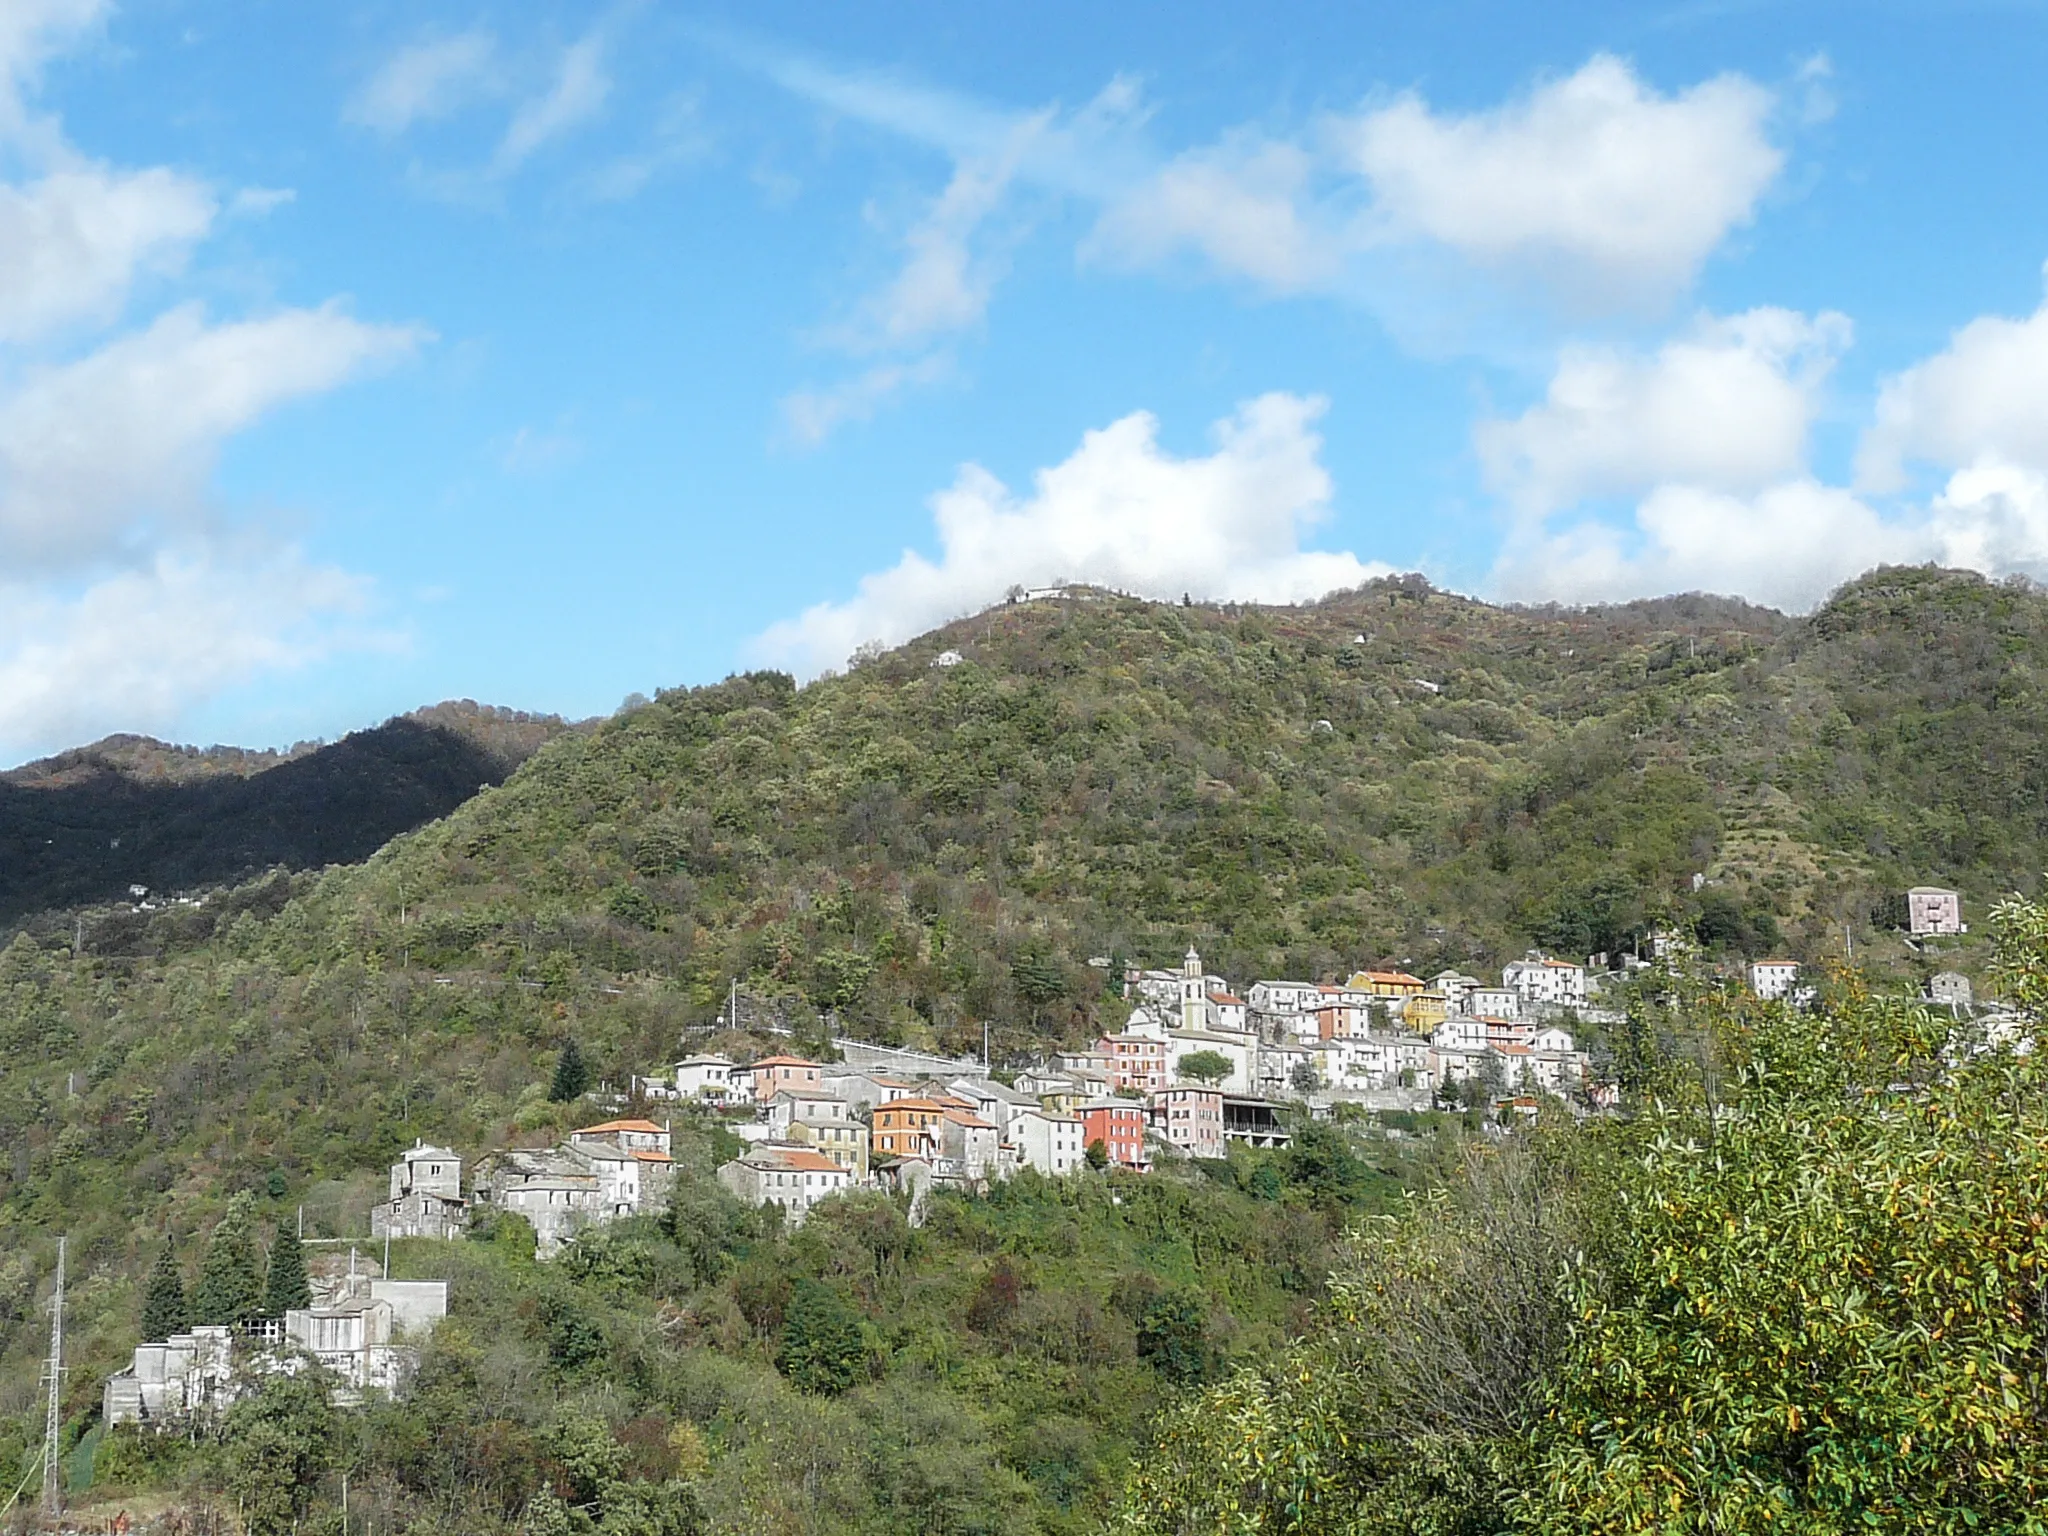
(426, 1196)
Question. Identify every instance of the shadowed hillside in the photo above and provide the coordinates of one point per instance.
(88, 824)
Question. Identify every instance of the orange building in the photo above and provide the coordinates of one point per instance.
(772, 1074)
(909, 1127)
(1119, 1124)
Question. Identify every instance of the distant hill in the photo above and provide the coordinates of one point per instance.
(88, 824)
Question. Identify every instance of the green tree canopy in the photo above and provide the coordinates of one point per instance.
(823, 1350)
(229, 1291)
(164, 1309)
(1205, 1066)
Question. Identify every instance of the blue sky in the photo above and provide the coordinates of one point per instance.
(358, 356)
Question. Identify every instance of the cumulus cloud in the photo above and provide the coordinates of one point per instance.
(1726, 407)
(1598, 185)
(1787, 546)
(1984, 395)
(1597, 175)
(73, 242)
(137, 648)
(1120, 511)
(92, 450)
(424, 81)
(1993, 517)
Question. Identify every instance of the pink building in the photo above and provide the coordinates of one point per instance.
(1190, 1118)
(1136, 1062)
(772, 1074)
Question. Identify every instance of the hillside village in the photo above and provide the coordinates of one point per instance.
(1194, 1067)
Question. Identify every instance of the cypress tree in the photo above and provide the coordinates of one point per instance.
(572, 1077)
(164, 1311)
(285, 1285)
(229, 1291)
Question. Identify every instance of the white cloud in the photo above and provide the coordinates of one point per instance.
(1993, 517)
(31, 32)
(136, 649)
(1245, 204)
(72, 243)
(577, 95)
(1595, 179)
(1726, 407)
(812, 415)
(1985, 394)
(424, 81)
(92, 451)
(1120, 511)
(1787, 546)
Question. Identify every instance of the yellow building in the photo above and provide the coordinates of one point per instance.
(1425, 1010)
(1386, 984)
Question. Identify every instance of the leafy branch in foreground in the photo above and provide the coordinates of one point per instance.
(1811, 1301)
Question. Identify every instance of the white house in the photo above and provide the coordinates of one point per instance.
(794, 1178)
(704, 1077)
(1493, 1003)
(991, 1100)
(1460, 1032)
(1455, 987)
(1773, 979)
(1932, 910)
(1048, 1142)
(1283, 997)
(1540, 982)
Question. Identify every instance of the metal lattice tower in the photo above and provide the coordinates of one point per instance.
(53, 1473)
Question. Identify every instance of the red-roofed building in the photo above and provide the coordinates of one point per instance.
(771, 1074)
(794, 1178)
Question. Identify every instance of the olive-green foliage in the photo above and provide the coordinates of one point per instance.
(1799, 1292)
(822, 1348)
(1205, 1066)
(277, 1444)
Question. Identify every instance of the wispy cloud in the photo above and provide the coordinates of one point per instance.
(427, 80)
(812, 415)
(576, 95)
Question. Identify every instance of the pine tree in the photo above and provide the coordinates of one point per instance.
(285, 1285)
(164, 1311)
(572, 1077)
(228, 1291)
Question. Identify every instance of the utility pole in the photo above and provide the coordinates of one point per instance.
(53, 1476)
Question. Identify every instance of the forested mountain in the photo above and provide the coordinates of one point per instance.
(87, 824)
(924, 845)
